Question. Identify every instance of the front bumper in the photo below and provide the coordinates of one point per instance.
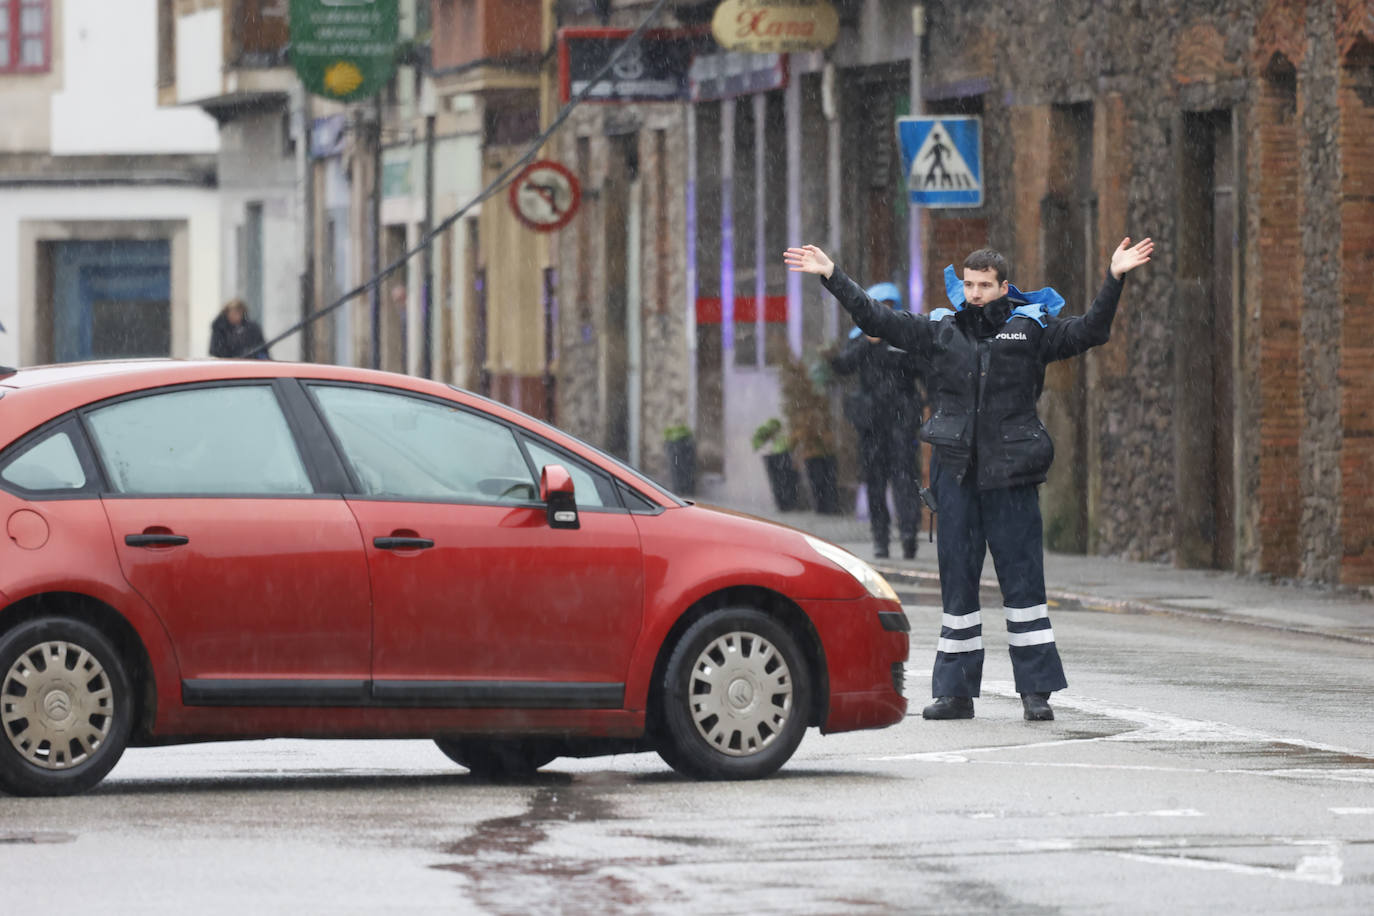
(864, 641)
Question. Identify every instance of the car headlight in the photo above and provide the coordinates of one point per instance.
(867, 576)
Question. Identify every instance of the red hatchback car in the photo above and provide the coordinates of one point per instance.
(248, 549)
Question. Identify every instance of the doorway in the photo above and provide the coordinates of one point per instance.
(111, 299)
(1204, 422)
(1068, 236)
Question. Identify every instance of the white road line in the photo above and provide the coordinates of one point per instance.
(1352, 810)
(1180, 812)
(1324, 869)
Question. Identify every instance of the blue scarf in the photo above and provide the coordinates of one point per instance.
(1035, 305)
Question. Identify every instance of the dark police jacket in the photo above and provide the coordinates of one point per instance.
(984, 370)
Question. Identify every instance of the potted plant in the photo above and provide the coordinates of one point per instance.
(806, 405)
(682, 459)
(777, 461)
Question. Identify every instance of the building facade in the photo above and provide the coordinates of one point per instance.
(1224, 426)
(108, 230)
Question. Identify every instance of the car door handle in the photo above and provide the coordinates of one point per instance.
(156, 540)
(402, 543)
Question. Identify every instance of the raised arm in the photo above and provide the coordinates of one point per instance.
(1066, 337)
(899, 328)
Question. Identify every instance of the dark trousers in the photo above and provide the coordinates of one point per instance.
(1007, 523)
(889, 453)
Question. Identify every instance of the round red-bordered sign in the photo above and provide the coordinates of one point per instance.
(545, 195)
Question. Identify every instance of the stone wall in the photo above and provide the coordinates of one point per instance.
(1295, 78)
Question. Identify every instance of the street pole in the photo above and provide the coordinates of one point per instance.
(916, 279)
(427, 256)
(375, 217)
(305, 174)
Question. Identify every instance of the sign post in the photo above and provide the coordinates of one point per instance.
(344, 49)
(545, 195)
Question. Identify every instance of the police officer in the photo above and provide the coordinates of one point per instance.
(984, 364)
(886, 413)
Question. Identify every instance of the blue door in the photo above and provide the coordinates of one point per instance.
(112, 299)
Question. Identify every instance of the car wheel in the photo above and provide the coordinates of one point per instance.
(497, 759)
(66, 707)
(736, 697)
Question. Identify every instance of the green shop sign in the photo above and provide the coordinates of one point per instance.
(344, 49)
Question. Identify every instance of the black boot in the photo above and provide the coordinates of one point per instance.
(1037, 707)
(880, 550)
(909, 547)
(949, 708)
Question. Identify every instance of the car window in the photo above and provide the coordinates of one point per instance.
(635, 501)
(589, 489)
(413, 448)
(217, 441)
(49, 464)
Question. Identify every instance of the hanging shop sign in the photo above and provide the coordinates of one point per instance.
(765, 27)
(729, 74)
(344, 49)
(545, 195)
(654, 69)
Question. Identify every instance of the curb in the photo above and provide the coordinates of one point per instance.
(1132, 606)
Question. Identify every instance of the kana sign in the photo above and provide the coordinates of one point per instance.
(545, 195)
(344, 49)
(775, 28)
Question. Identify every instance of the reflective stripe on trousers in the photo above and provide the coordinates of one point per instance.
(1005, 522)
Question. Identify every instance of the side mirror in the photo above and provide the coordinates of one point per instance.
(556, 490)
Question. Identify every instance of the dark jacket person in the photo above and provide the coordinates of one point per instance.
(885, 409)
(234, 335)
(984, 364)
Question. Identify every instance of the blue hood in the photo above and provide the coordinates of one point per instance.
(882, 292)
(1034, 305)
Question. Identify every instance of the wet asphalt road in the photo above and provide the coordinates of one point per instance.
(1193, 767)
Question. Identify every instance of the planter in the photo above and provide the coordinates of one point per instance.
(783, 480)
(825, 488)
(682, 465)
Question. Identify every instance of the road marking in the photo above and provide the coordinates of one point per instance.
(1179, 812)
(1153, 727)
(1325, 868)
(1352, 810)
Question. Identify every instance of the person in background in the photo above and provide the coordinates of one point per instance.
(886, 413)
(234, 335)
(984, 362)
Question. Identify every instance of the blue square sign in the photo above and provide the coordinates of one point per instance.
(943, 160)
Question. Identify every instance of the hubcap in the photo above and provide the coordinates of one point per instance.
(741, 693)
(56, 705)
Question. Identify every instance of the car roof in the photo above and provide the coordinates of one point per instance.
(65, 386)
(124, 373)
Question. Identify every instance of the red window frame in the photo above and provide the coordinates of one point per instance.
(11, 12)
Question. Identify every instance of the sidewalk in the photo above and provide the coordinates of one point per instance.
(1121, 585)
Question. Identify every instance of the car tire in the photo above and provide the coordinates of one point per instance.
(736, 697)
(66, 707)
(491, 758)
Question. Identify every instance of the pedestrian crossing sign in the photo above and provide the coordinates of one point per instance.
(942, 157)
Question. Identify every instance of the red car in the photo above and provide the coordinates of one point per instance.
(248, 549)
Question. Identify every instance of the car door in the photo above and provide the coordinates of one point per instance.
(259, 579)
(478, 601)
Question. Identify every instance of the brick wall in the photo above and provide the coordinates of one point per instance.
(1280, 308)
(1357, 332)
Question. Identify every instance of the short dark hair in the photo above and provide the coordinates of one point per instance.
(988, 259)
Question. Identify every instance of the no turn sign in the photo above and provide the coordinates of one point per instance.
(545, 195)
